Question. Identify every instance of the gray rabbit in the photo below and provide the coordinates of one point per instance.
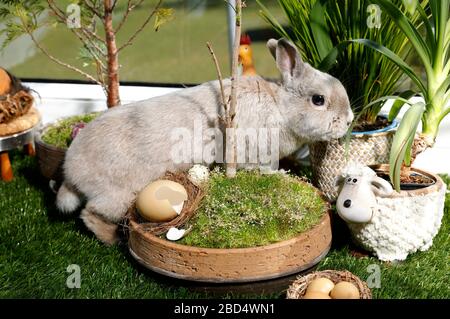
(127, 147)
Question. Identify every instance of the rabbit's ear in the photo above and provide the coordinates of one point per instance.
(272, 46)
(287, 58)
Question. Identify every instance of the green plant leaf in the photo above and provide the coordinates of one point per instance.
(320, 30)
(163, 15)
(410, 5)
(444, 87)
(397, 60)
(398, 104)
(416, 39)
(330, 60)
(403, 140)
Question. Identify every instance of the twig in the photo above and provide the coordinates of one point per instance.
(114, 5)
(125, 16)
(95, 35)
(93, 9)
(131, 39)
(231, 162)
(87, 37)
(235, 63)
(130, 7)
(56, 60)
(219, 75)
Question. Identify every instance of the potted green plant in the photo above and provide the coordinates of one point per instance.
(322, 30)
(99, 52)
(433, 51)
(408, 219)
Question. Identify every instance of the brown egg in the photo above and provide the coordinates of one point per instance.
(322, 285)
(345, 290)
(316, 295)
(161, 201)
(5, 82)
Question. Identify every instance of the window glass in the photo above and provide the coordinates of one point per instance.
(176, 53)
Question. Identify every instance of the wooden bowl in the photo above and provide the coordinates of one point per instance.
(230, 265)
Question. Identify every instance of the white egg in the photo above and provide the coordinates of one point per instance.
(161, 201)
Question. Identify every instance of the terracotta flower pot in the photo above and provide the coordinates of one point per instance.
(230, 265)
(50, 158)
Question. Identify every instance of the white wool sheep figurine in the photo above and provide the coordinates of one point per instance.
(389, 224)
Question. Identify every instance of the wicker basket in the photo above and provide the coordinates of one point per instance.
(298, 288)
(328, 159)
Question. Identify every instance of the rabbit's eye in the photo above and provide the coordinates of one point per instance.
(318, 100)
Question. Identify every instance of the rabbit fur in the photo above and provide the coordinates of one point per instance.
(127, 147)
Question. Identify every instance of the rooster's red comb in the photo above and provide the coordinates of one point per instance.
(245, 39)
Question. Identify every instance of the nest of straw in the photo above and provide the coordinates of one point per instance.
(298, 288)
(14, 105)
(195, 195)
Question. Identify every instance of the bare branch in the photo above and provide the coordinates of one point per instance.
(91, 6)
(56, 60)
(57, 11)
(93, 34)
(62, 18)
(231, 165)
(131, 39)
(114, 5)
(235, 63)
(130, 7)
(125, 16)
(219, 75)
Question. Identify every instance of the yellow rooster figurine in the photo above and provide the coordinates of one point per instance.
(246, 56)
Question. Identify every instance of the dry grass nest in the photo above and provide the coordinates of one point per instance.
(15, 105)
(195, 195)
(298, 288)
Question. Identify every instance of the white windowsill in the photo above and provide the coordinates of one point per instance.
(56, 100)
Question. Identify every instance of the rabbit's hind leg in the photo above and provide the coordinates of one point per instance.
(104, 230)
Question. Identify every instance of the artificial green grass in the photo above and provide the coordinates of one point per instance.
(37, 244)
(59, 135)
(254, 210)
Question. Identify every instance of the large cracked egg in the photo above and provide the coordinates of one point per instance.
(161, 201)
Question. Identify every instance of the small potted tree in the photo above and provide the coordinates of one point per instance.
(100, 54)
(323, 32)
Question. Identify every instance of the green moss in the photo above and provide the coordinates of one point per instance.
(59, 134)
(254, 210)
